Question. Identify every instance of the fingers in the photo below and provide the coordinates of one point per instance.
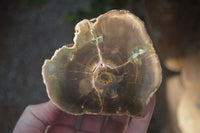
(56, 128)
(66, 124)
(35, 118)
(67, 119)
(117, 124)
(92, 124)
(141, 125)
(63, 129)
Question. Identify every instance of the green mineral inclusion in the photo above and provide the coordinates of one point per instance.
(137, 54)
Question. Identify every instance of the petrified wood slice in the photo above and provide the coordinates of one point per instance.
(111, 68)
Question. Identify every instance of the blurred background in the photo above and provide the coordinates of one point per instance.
(31, 30)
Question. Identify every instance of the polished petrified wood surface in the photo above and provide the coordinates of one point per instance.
(111, 68)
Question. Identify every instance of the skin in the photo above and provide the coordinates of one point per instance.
(47, 118)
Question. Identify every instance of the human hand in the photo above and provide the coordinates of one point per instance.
(47, 118)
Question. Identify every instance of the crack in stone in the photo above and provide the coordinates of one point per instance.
(136, 56)
(124, 64)
(96, 40)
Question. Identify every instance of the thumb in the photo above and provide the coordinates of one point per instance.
(36, 118)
